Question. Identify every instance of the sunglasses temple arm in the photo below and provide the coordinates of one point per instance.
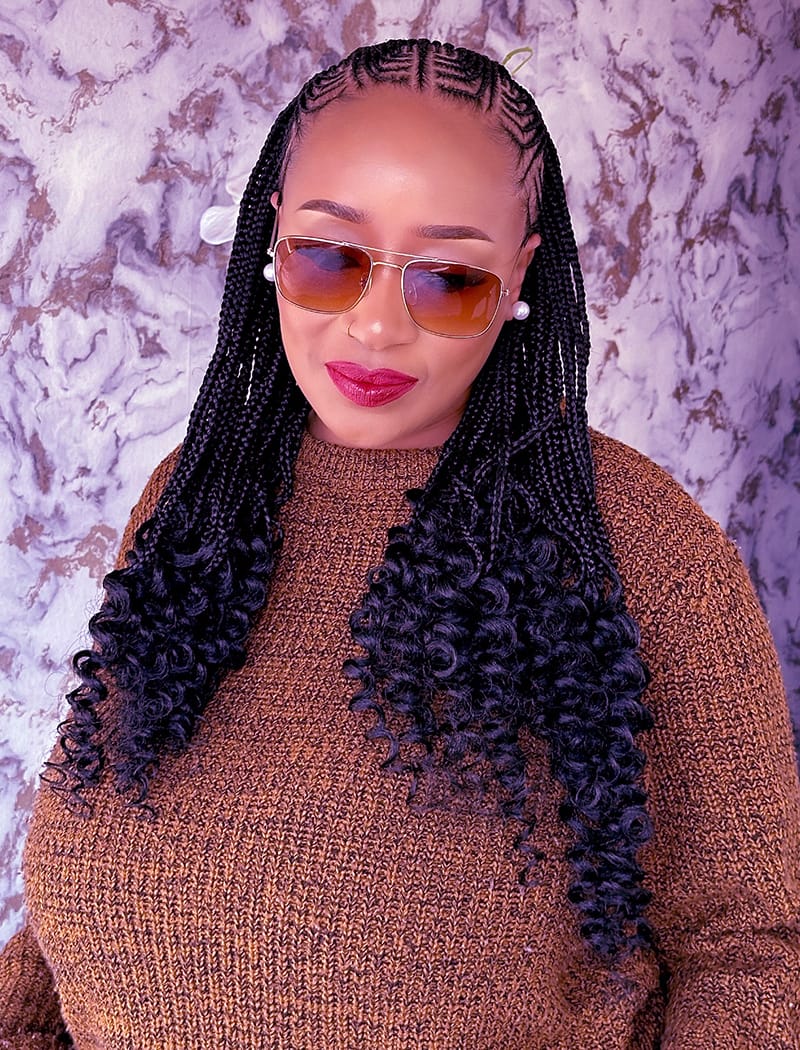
(274, 237)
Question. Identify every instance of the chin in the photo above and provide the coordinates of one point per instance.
(363, 435)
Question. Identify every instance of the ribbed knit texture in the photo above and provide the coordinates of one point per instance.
(286, 896)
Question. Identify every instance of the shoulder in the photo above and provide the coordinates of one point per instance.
(665, 545)
(146, 504)
(704, 636)
(157, 481)
(637, 497)
(644, 507)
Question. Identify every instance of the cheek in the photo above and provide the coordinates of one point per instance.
(291, 325)
(454, 371)
(301, 331)
(481, 352)
(300, 335)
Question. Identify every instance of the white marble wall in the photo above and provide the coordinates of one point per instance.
(121, 121)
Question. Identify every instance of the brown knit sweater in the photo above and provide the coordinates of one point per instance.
(286, 897)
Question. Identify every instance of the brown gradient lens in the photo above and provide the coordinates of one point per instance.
(450, 298)
(327, 278)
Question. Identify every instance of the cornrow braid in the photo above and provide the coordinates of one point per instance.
(497, 611)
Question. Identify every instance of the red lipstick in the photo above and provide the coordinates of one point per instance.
(369, 388)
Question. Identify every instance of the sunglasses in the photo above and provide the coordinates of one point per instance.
(444, 298)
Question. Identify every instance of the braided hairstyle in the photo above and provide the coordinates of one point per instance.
(497, 612)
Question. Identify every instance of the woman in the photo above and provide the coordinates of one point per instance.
(225, 860)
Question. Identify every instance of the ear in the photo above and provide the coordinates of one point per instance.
(526, 254)
(275, 201)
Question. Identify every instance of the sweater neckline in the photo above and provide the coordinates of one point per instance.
(364, 468)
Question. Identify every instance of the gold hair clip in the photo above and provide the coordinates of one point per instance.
(518, 51)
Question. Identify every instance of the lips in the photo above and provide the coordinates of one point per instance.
(369, 388)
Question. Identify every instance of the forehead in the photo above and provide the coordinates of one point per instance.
(391, 148)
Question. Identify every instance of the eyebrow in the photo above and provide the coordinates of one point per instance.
(356, 215)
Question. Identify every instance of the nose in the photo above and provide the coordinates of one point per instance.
(379, 319)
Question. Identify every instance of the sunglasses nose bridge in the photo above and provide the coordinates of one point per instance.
(380, 307)
(382, 262)
(389, 265)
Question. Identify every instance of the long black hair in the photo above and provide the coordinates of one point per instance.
(497, 611)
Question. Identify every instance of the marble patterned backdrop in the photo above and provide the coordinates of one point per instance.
(121, 121)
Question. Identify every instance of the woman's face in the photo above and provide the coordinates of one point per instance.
(402, 172)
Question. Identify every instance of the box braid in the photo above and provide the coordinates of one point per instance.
(497, 612)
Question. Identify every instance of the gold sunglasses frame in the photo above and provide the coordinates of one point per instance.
(272, 251)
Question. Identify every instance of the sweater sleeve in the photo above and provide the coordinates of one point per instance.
(30, 1017)
(725, 857)
(724, 861)
(147, 503)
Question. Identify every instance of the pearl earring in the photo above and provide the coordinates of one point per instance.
(269, 272)
(520, 310)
